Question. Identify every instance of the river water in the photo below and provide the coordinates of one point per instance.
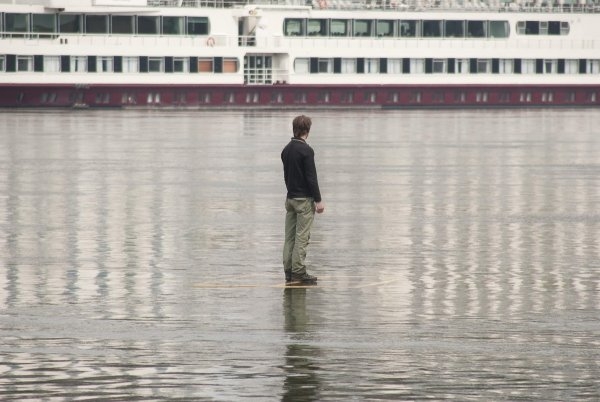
(458, 257)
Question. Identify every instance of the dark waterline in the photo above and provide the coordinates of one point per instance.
(457, 258)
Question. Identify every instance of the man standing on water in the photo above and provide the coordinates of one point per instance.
(303, 199)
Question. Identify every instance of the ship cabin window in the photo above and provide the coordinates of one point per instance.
(316, 27)
(432, 28)
(593, 66)
(293, 27)
(454, 29)
(230, 65)
(43, 23)
(363, 27)
(394, 66)
(302, 66)
(130, 64)
(325, 66)
(438, 66)
(122, 24)
(96, 24)
(550, 66)
(79, 64)
(105, 64)
(197, 26)
(477, 29)
(180, 64)
(339, 27)
(528, 66)
(572, 66)
(499, 29)
(385, 28)
(410, 28)
(543, 27)
(70, 23)
(16, 22)
(51, 64)
(173, 25)
(156, 64)
(24, 63)
(417, 66)
(371, 66)
(505, 66)
(348, 66)
(2, 64)
(461, 66)
(205, 65)
(484, 66)
(147, 25)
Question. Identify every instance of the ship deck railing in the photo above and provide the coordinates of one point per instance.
(560, 6)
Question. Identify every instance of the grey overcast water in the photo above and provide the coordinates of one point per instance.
(458, 257)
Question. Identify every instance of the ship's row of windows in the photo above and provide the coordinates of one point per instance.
(419, 28)
(117, 64)
(441, 66)
(348, 97)
(44, 24)
(396, 28)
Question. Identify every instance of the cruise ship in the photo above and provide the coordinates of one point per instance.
(298, 53)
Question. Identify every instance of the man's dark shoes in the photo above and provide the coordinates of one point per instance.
(288, 276)
(304, 279)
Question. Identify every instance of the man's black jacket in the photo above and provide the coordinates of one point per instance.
(299, 170)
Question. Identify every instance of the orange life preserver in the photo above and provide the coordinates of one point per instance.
(210, 41)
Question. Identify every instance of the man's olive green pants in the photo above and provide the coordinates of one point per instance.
(298, 221)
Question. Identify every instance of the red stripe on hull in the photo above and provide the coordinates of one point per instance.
(277, 96)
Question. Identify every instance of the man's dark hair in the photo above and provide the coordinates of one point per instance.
(301, 125)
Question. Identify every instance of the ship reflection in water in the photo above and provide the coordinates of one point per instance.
(457, 259)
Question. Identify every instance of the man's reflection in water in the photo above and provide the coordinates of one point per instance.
(301, 380)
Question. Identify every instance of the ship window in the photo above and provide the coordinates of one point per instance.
(205, 65)
(326, 65)
(128, 98)
(276, 97)
(521, 27)
(172, 25)
(131, 64)
(454, 29)
(102, 98)
(499, 29)
(385, 28)
(348, 66)
(505, 66)
(51, 64)
(252, 97)
(104, 64)
(460, 97)
(43, 22)
(2, 63)
(371, 66)
(417, 66)
(122, 24)
(553, 27)
(79, 64)
(504, 97)
(302, 66)
(525, 97)
(180, 65)
(550, 66)
(593, 66)
(571, 66)
(476, 29)
(528, 66)
(570, 97)
(70, 23)
(347, 97)
(197, 26)
(432, 29)
(316, 27)
(462, 66)
(483, 66)
(481, 97)
(300, 97)
(362, 27)
(438, 66)
(148, 25)
(393, 97)
(409, 28)
(438, 97)
(370, 97)
(230, 65)
(547, 96)
(324, 97)
(543, 27)
(564, 28)
(532, 27)
(24, 63)
(338, 27)
(16, 22)
(294, 27)
(591, 97)
(204, 97)
(415, 97)
(229, 97)
(96, 24)
(394, 66)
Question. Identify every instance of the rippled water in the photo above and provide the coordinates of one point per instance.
(458, 257)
